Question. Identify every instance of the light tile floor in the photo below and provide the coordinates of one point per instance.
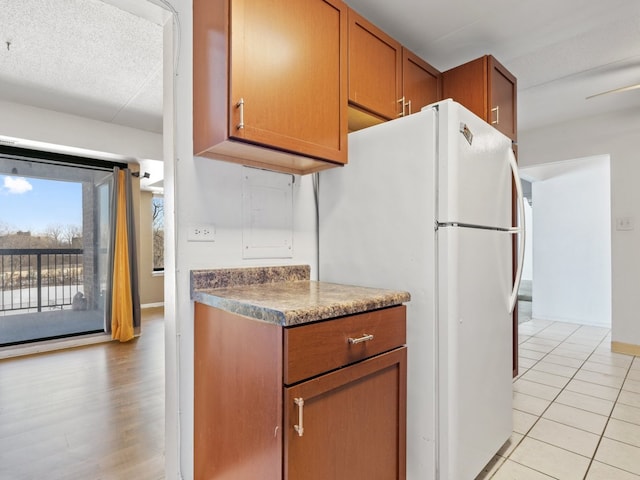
(576, 408)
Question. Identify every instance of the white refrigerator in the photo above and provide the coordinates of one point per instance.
(424, 205)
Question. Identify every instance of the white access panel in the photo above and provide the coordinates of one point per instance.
(267, 214)
(475, 344)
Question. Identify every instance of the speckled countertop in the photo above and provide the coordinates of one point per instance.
(285, 295)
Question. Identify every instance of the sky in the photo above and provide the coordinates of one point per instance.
(32, 204)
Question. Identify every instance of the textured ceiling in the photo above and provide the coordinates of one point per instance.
(91, 58)
(83, 57)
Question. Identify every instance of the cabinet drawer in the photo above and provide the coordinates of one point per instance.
(316, 348)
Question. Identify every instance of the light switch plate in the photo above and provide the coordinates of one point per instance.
(624, 223)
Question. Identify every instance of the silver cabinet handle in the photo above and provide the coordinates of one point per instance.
(364, 338)
(240, 105)
(299, 428)
(401, 102)
(497, 112)
(408, 104)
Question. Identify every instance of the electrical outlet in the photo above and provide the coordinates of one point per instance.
(202, 233)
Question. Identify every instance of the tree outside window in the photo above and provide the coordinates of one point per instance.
(157, 218)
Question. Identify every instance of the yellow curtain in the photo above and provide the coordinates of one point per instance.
(121, 299)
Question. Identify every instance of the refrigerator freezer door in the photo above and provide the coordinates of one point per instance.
(474, 176)
(474, 331)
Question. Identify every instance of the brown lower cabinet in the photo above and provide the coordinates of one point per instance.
(255, 418)
(350, 421)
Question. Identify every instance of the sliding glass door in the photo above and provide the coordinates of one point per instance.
(54, 237)
(103, 236)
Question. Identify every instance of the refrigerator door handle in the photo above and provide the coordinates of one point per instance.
(519, 230)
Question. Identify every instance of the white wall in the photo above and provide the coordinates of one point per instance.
(210, 192)
(199, 190)
(56, 128)
(572, 245)
(616, 135)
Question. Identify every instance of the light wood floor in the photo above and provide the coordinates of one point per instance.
(87, 413)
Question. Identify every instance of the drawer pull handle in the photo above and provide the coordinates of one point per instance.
(364, 338)
(299, 428)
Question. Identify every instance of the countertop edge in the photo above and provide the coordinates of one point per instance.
(240, 307)
(363, 300)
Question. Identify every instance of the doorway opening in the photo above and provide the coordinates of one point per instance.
(570, 246)
(54, 237)
(525, 292)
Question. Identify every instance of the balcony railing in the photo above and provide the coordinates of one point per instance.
(37, 278)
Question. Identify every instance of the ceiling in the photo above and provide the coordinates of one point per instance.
(84, 57)
(99, 60)
(560, 51)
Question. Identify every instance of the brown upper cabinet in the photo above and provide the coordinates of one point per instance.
(386, 80)
(375, 63)
(486, 88)
(269, 83)
(421, 83)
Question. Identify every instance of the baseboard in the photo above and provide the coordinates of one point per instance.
(626, 348)
(52, 345)
(152, 305)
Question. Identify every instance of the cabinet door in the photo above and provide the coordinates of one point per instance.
(287, 82)
(502, 88)
(237, 403)
(375, 63)
(421, 83)
(486, 88)
(467, 85)
(354, 422)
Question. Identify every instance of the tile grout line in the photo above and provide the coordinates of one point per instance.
(566, 340)
(543, 412)
(615, 402)
(555, 398)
